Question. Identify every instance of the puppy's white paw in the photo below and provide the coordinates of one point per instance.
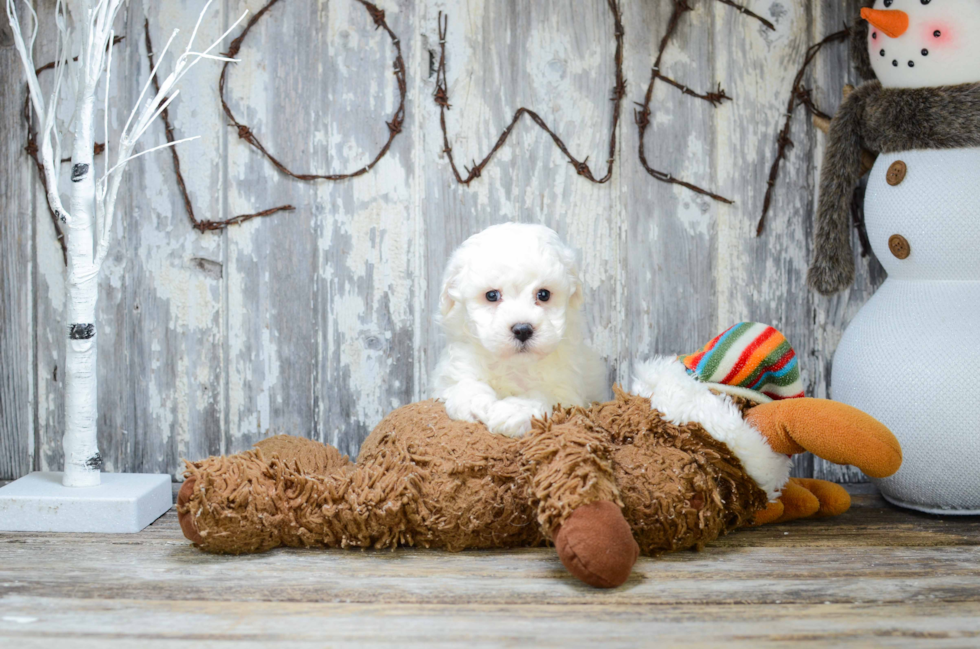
(459, 410)
(512, 416)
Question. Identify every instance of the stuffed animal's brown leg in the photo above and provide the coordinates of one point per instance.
(303, 455)
(232, 504)
(577, 500)
(218, 484)
(254, 501)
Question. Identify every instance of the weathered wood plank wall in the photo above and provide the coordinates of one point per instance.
(318, 321)
(17, 274)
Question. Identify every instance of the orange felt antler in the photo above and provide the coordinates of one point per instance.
(831, 430)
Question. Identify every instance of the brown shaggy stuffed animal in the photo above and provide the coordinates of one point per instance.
(603, 484)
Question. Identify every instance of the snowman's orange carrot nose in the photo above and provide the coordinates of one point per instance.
(892, 22)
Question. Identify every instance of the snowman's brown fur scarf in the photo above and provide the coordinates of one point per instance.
(860, 56)
(881, 120)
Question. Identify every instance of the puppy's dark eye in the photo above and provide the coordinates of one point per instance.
(493, 296)
(544, 295)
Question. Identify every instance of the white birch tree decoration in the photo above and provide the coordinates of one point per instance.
(84, 56)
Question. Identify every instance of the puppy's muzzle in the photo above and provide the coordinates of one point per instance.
(522, 331)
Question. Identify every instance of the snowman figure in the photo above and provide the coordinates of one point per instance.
(909, 355)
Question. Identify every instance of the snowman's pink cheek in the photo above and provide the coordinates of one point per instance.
(939, 36)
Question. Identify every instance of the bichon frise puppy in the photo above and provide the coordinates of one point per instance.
(511, 308)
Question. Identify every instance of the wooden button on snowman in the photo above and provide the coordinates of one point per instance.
(904, 358)
(896, 173)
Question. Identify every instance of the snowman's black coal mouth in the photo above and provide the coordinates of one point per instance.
(910, 62)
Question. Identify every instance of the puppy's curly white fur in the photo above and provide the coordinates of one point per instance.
(511, 309)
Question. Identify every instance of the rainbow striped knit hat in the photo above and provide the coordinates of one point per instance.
(748, 360)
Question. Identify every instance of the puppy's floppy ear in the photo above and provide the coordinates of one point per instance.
(449, 295)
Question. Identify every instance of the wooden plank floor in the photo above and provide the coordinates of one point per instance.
(877, 577)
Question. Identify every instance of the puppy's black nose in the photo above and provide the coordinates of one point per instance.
(522, 331)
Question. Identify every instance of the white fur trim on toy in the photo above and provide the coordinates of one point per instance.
(683, 399)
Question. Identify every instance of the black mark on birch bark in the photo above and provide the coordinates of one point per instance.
(78, 172)
(94, 462)
(81, 331)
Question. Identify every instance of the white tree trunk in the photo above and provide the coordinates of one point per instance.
(88, 223)
(80, 442)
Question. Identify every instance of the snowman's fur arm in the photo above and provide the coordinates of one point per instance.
(682, 399)
(883, 121)
(832, 268)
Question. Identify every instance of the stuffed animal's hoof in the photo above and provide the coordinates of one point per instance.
(183, 515)
(832, 499)
(805, 498)
(596, 545)
(772, 513)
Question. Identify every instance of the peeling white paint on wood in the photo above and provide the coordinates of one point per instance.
(317, 322)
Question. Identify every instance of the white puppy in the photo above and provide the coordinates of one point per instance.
(511, 309)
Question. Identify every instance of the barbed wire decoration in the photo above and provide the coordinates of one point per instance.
(394, 126)
(244, 132)
(441, 98)
(799, 96)
(642, 115)
(200, 226)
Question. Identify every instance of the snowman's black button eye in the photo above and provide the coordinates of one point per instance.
(937, 33)
(925, 52)
(911, 64)
(895, 63)
(882, 52)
